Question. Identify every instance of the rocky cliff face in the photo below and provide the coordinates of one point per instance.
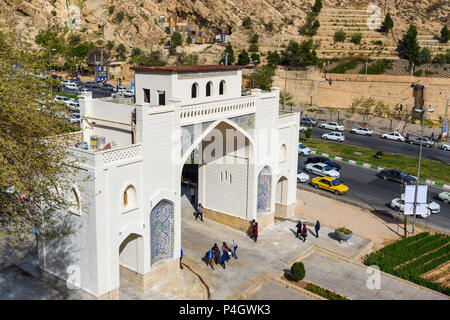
(100, 19)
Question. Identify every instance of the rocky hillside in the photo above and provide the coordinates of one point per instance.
(135, 23)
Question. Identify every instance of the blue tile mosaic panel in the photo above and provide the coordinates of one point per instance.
(264, 189)
(162, 231)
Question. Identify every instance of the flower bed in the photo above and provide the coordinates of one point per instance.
(412, 257)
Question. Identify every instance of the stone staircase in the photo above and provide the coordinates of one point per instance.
(374, 44)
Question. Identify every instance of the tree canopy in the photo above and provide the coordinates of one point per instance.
(300, 55)
(408, 47)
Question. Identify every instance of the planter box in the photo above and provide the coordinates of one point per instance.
(342, 236)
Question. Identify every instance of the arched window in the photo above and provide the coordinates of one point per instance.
(283, 153)
(74, 202)
(208, 89)
(194, 90)
(222, 87)
(129, 197)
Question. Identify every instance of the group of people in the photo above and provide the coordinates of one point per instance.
(214, 256)
(303, 232)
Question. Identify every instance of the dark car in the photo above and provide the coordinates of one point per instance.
(108, 87)
(397, 175)
(327, 161)
(425, 141)
(308, 122)
(91, 84)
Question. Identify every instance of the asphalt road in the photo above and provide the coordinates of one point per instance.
(96, 93)
(365, 187)
(376, 143)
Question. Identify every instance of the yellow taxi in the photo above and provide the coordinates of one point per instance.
(330, 184)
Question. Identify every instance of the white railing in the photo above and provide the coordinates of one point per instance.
(287, 120)
(211, 111)
(122, 154)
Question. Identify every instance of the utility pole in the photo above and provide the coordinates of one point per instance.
(445, 122)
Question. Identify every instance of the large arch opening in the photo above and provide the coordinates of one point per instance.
(216, 173)
(282, 191)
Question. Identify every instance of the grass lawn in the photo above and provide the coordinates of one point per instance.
(430, 169)
(68, 95)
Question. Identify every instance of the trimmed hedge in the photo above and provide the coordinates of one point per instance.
(327, 294)
(298, 271)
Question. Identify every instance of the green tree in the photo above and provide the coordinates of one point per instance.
(187, 59)
(188, 40)
(243, 58)
(120, 16)
(49, 39)
(264, 77)
(298, 271)
(269, 26)
(315, 26)
(444, 34)
(388, 23)
(424, 56)
(176, 39)
(121, 51)
(339, 36)
(317, 7)
(408, 47)
(256, 59)
(151, 59)
(110, 45)
(299, 54)
(247, 22)
(286, 99)
(33, 161)
(273, 58)
(253, 47)
(356, 38)
(254, 38)
(136, 51)
(230, 51)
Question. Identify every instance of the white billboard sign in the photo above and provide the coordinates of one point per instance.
(421, 207)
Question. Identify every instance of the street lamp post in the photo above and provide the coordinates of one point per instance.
(418, 169)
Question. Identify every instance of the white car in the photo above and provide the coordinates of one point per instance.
(445, 147)
(128, 93)
(399, 204)
(335, 136)
(444, 196)
(303, 150)
(302, 177)
(72, 86)
(396, 136)
(363, 131)
(121, 89)
(322, 169)
(332, 126)
(84, 91)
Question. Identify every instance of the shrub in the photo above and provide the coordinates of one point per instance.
(327, 294)
(444, 34)
(378, 154)
(298, 271)
(247, 22)
(269, 26)
(167, 30)
(339, 36)
(253, 47)
(120, 16)
(344, 230)
(308, 132)
(111, 9)
(356, 38)
(378, 67)
(417, 73)
(53, 13)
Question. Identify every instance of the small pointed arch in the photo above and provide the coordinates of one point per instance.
(222, 87)
(209, 88)
(194, 90)
(129, 197)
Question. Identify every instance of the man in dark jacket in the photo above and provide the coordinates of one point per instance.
(216, 251)
(317, 228)
(299, 228)
(199, 212)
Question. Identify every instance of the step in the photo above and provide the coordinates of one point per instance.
(366, 34)
(425, 36)
(343, 23)
(365, 38)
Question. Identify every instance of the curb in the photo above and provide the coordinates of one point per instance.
(398, 217)
(432, 183)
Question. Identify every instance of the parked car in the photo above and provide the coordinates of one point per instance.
(301, 176)
(425, 141)
(72, 86)
(62, 99)
(396, 136)
(445, 147)
(363, 131)
(335, 136)
(322, 169)
(75, 118)
(91, 84)
(399, 205)
(73, 106)
(330, 184)
(121, 89)
(444, 196)
(397, 175)
(128, 93)
(108, 87)
(303, 150)
(302, 128)
(84, 91)
(308, 122)
(327, 161)
(332, 126)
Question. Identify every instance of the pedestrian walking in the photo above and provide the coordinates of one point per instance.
(439, 138)
(299, 228)
(225, 247)
(304, 232)
(199, 212)
(223, 258)
(181, 257)
(255, 232)
(234, 246)
(216, 253)
(317, 228)
(210, 257)
(432, 136)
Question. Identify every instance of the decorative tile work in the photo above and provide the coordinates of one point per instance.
(245, 122)
(264, 189)
(162, 231)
